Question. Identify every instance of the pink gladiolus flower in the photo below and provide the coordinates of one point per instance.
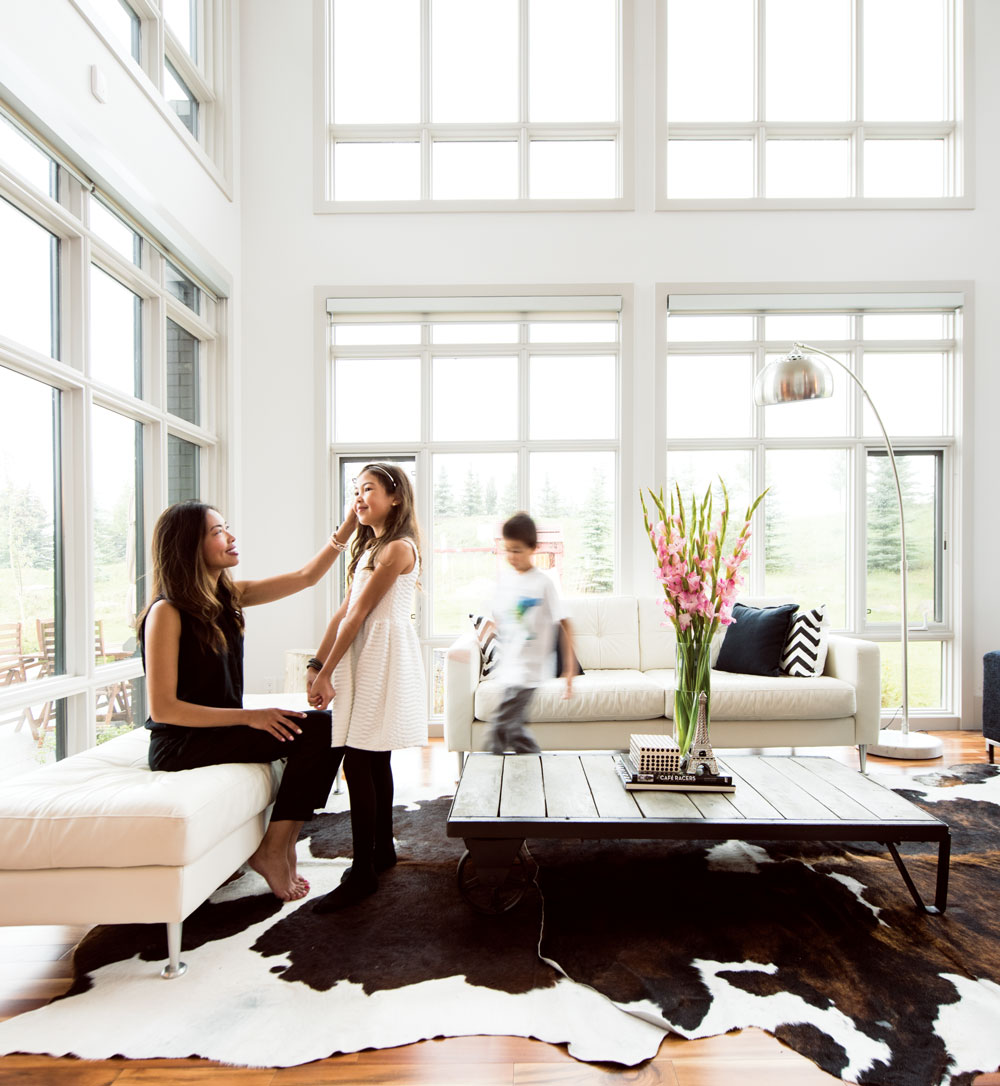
(684, 621)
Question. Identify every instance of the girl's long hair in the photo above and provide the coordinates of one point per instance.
(401, 523)
(181, 577)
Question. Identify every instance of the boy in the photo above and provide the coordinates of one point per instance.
(527, 610)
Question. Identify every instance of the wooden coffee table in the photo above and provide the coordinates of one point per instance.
(502, 800)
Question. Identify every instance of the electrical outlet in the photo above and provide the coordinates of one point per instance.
(269, 685)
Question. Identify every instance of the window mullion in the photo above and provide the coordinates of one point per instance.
(760, 99)
(523, 98)
(858, 89)
(426, 60)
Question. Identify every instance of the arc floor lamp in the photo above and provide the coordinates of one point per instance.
(800, 376)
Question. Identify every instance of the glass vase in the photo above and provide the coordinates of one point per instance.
(692, 678)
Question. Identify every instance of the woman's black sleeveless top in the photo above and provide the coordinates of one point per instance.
(206, 677)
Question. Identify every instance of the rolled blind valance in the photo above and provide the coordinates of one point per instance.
(814, 303)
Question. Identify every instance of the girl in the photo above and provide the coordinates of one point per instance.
(191, 636)
(370, 658)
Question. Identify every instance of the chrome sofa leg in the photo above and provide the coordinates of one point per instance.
(862, 752)
(461, 762)
(174, 967)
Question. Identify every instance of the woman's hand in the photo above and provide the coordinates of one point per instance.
(321, 693)
(279, 722)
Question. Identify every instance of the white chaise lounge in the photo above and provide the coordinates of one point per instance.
(101, 838)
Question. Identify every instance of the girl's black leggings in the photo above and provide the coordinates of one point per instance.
(310, 762)
(369, 780)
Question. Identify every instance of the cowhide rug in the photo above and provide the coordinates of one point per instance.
(818, 944)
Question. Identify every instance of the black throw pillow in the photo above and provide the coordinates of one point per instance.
(754, 642)
(559, 660)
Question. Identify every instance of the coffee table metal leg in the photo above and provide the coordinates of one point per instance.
(493, 875)
(941, 888)
(944, 862)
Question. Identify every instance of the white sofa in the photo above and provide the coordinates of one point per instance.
(627, 654)
(101, 838)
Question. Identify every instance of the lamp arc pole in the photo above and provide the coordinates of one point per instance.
(905, 724)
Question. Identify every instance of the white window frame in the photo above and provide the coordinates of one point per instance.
(68, 219)
(956, 672)
(209, 78)
(364, 305)
(957, 132)
(326, 133)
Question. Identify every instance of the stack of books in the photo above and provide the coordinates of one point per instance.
(636, 781)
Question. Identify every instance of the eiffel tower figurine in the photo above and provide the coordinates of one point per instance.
(701, 758)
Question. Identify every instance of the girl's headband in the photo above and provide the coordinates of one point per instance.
(382, 471)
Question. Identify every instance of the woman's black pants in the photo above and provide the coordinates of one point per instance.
(311, 764)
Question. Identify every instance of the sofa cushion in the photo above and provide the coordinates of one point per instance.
(105, 807)
(489, 645)
(605, 631)
(577, 669)
(761, 697)
(755, 640)
(597, 695)
(804, 654)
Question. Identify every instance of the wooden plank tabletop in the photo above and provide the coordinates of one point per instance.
(563, 792)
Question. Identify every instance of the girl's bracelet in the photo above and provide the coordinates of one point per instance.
(315, 663)
(335, 542)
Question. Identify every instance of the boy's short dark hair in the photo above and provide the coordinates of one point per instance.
(520, 528)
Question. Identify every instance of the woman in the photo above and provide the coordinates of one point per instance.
(192, 645)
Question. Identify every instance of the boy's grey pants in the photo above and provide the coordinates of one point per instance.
(513, 709)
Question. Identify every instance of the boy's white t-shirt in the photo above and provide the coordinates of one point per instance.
(527, 609)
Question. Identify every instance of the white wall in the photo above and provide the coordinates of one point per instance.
(289, 252)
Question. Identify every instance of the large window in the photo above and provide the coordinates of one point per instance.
(179, 50)
(828, 531)
(835, 101)
(108, 355)
(497, 410)
(501, 103)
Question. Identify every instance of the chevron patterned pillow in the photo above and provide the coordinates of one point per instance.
(804, 654)
(489, 647)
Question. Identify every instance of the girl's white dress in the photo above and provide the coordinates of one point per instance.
(380, 701)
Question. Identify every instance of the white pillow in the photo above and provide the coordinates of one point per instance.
(489, 646)
(804, 654)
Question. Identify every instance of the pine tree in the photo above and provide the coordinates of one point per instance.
(26, 536)
(549, 504)
(508, 501)
(472, 497)
(883, 511)
(776, 558)
(598, 529)
(490, 497)
(444, 499)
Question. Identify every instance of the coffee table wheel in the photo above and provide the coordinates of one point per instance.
(488, 896)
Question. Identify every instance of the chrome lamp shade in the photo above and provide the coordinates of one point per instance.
(795, 377)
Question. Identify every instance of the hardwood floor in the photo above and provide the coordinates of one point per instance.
(35, 966)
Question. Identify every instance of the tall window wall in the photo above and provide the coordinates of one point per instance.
(109, 362)
(178, 52)
(491, 411)
(828, 532)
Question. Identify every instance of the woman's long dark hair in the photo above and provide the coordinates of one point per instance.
(401, 523)
(181, 577)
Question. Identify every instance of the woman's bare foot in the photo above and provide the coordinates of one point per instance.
(293, 859)
(272, 866)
